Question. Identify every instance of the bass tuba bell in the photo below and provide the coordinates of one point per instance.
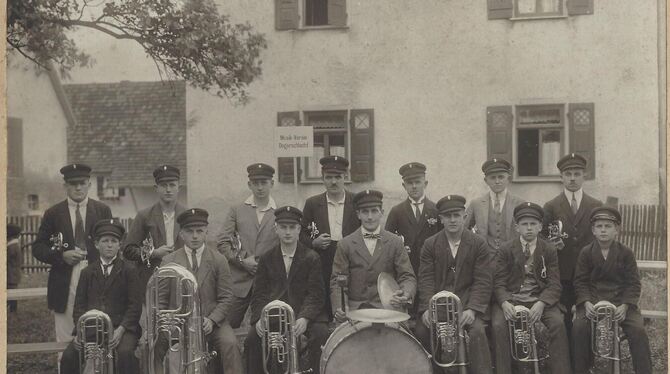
(94, 333)
(522, 338)
(447, 339)
(280, 345)
(173, 313)
(605, 335)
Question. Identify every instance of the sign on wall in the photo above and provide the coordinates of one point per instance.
(294, 141)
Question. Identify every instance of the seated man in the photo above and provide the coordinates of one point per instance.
(606, 270)
(110, 285)
(458, 261)
(289, 272)
(527, 274)
(364, 254)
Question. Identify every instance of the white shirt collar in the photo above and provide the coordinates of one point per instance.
(289, 254)
(377, 230)
(198, 252)
(578, 195)
(271, 203)
(102, 261)
(531, 245)
(73, 204)
(331, 201)
(502, 195)
(420, 201)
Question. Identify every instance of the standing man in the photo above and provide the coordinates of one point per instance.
(572, 207)
(362, 255)
(492, 215)
(74, 218)
(289, 272)
(14, 262)
(458, 261)
(248, 233)
(328, 217)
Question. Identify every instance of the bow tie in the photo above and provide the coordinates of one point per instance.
(368, 235)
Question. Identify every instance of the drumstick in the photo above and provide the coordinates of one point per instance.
(342, 283)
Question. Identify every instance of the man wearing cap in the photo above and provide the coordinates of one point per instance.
(110, 285)
(607, 271)
(571, 207)
(362, 255)
(415, 219)
(214, 288)
(289, 272)
(329, 217)
(458, 261)
(14, 262)
(74, 218)
(248, 233)
(492, 214)
(527, 275)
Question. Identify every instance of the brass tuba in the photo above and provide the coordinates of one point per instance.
(447, 339)
(522, 339)
(94, 333)
(146, 250)
(280, 345)
(173, 312)
(605, 334)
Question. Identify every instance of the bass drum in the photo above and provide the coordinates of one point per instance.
(373, 348)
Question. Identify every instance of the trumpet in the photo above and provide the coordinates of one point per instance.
(280, 345)
(447, 338)
(146, 250)
(522, 339)
(57, 242)
(95, 332)
(556, 231)
(605, 337)
(313, 230)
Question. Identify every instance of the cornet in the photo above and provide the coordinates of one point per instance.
(57, 242)
(236, 246)
(605, 338)
(556, 233)
(280, 345)
(95, 332)
(146, 250)
(447, 339)
(522, 339)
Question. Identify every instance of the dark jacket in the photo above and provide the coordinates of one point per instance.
(474, 271)
(57, 219)
(316, 210)
(401, 221)
(616, 279)
(577, 226)
(117, 295)
(302, 289)
(14, 262)
(510, 273)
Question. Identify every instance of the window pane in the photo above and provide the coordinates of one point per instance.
(550, 151)
(326, 120)
(316, 12)
(336, 142)
(550, 6)
(528, 152)
(526, 6)
(539, 116)
(313, 166)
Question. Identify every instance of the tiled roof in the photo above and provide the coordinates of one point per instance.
(128, 128)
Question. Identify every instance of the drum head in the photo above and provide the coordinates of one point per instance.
(386, 287)
(377, 315)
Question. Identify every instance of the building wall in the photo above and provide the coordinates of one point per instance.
(134, 200)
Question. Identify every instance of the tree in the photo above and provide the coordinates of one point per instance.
(185, 38)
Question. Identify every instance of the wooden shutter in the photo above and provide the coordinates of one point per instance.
(285, 164)
(337, 12)
(582, 134)
(500, 9)
(499, 132)
(286, 14)
(14, 147)
(362, 145)
(579, 7)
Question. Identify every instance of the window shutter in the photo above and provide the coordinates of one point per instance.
(286, 14)
(362, 145)
(337, 12)
(580, 7)
(500, 9)
(285, 164)
(14, 147)
(499, 132)
(582, 134)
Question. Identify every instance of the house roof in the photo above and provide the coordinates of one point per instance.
(127, 129)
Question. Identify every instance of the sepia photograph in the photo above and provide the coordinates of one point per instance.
(336, 186)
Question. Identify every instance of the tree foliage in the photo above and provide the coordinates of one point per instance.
(185, 38)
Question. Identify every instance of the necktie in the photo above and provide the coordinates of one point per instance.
(417, 211)
(526, 250)
(369, 235)
(496, 206)
(287, 263)
(79, 236)
(194, 261)
(105, 269)
(573, 204)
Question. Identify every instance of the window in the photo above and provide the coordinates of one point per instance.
(305, 14)
(535, 137)
(347, 133)
(105, 192)
(33, 202)
(538, 8)
(316, 12)
(14, 147)
(510, 9)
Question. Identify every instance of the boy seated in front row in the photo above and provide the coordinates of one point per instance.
(527, 274)
(606, 270)
(109, 285)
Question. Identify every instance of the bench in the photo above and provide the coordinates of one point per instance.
(26, 293)
(50, 347)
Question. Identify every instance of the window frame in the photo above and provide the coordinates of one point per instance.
(303, 176)
(33, 204)
(107, 193)
(562, 11)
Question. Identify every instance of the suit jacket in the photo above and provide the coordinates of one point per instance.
(473, 272)
(57, 219)
(14, 262)
(353, 259)
(478, 215)
(117, 295)
(256, 240)
(577, 226)
(510, 271)
(401, 221)
(149, 221)
(616, 279)
(316, 210)
(214, 282)
(302, 289)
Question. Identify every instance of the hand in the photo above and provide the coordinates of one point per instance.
(300, 326)
(467, 318)
(536, 311)
(161, 251)
(620, 313)
(207, 325)
(558, 243)
(590, 311)
(399, 300)
(321, 242)
(425, 318)
(74, 256)
(76, 342)
(340, 316)
(508, 310)
(259, 328)
(250, 265)
(116, 338)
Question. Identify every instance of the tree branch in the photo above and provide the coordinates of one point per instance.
(96, 26)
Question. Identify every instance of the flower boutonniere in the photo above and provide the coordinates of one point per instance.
(432, 221)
